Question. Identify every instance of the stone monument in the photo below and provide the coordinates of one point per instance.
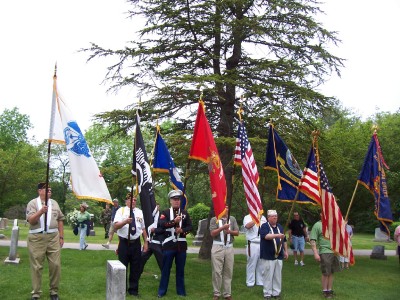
(3, 223)
(12, 256)
(116, 280)
(380, 236)
(198, 239)
(378, 252)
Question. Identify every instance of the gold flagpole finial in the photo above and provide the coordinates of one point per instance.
(240, 109)
(375, 128)
(55, 70)
(315, 133)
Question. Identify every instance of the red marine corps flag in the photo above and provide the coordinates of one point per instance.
(204, 149)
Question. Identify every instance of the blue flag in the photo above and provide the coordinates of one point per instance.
(373, 177)
(280, 159)
(164, 163)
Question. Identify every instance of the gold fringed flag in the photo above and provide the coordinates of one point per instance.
(333, 225)
(204, 149)
(87, 181)
(373, 177)
(244, 157)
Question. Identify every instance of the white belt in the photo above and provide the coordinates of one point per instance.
(222, 244)
(40, 230)
(174, 239)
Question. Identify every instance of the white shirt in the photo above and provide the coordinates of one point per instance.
(122, 214)
(252, 233)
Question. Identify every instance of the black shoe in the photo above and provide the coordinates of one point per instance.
(35, 298)
(54, 297)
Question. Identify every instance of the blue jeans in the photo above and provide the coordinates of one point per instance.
(82, 236)
(180, 261)
(298, 243)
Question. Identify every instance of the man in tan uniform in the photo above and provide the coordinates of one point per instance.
(45, 240)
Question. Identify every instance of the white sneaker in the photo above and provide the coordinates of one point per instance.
(302, 264)
(296, 262)
(106, 246)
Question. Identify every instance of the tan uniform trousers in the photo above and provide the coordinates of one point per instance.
(41, 246)
(222, 259)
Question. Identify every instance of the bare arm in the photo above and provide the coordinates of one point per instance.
(33, 219)
(61, 232)
(315, 251)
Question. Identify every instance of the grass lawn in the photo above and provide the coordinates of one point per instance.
(360, 240)
(84, 275)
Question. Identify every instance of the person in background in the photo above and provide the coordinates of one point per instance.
(273, 249)
(344, 261)
(254, 271)
(298, 236)
(325, 256)
(397, 239)
(114, 209)
(222, 254)
(83, 218)
(177, 224)
(45, 240)
(130, 226)
(105, 219)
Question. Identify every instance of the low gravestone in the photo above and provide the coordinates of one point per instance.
(116, 280)
(380, 236)
(378, 252)
(198, 239)
(3, 223)
(12, 257)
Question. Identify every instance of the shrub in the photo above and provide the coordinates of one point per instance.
(16, 212)
(198, 212)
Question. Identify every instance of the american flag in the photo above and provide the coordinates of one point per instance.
(333, 225)
(309, 182)
(314, 184)
(244, 157)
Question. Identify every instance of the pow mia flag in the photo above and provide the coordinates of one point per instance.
(144, 182)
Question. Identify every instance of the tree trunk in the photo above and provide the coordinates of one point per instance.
(205, 248)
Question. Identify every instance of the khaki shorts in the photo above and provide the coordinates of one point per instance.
(329, 263)
(111, 230)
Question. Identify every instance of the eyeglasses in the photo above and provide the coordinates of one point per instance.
(176, 198)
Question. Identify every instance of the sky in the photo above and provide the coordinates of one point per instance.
(37, 34)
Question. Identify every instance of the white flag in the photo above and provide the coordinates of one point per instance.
(87, 181)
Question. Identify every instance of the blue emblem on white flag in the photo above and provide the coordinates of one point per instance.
(75, 140)
(86, 178)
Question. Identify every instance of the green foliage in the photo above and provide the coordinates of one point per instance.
(14, 127)
(198, 212)
(16, 212)
(20, 162)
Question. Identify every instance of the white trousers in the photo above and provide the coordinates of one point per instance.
(272, 277)
(254, 268)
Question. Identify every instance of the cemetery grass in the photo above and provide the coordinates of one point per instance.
(84, 277)
(359, 241)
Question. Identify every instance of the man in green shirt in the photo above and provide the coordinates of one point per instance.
(328, 261)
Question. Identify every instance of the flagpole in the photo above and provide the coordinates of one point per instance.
(291, 209)
(351, 202)
(49, 148)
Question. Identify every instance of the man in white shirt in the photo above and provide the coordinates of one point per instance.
(254, 270)
(129, 224)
